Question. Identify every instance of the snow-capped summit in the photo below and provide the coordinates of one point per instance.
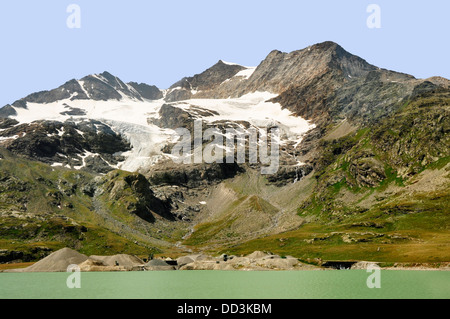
(138, 119)
(95, 87)
(291, 91)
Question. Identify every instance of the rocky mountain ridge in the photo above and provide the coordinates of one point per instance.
(363, 161)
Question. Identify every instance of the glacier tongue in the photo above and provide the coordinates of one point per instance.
(146, 141)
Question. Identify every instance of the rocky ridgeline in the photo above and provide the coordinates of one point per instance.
(99, 87)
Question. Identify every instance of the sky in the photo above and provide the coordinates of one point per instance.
(160, 42)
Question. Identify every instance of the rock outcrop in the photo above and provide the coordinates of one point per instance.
(90, 145)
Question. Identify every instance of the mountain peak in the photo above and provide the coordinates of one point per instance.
(280, 70)
(98, 87)
(211, 77)
(326, 45)
(106, 74)
(227, 63)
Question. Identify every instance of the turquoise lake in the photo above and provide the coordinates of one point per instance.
(344, 284)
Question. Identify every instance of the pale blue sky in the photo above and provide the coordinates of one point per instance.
(159, 42)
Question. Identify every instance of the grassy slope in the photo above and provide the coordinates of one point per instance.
(43, 207)
(405, 217)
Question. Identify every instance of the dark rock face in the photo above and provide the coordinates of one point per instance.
(7, 111)
(20, 104)
(289, 174)
(210, 78)
(372, 97)
(207, 80)
(106, 86)
(332, 83)
(6, 123)
(178, 95)
(66, 143)
(73, 111)
(280, 71)
(309, 100)
(100, 90)
(173, 117)
(192, 175)
(69, 89)
(133, 190)
(146, 91)
(147, 199)
(15, 256)
(10, 255)
(368, 172)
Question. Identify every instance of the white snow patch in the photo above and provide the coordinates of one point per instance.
(127, 117)
(15, 137)
(126, 110)
(81, 83)
(255, 109)
(229, 63)
(85, 155)
(146, 141)
(247, 73)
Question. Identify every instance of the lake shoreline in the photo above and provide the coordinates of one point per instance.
(60, 261)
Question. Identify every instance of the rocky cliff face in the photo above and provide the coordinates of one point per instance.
(88, 145)
(320, 83)
(205, 81)
(339, 85)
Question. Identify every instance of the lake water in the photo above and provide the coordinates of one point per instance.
(228, 285)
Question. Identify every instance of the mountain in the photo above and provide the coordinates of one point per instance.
(207, 80)
(362, 171)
